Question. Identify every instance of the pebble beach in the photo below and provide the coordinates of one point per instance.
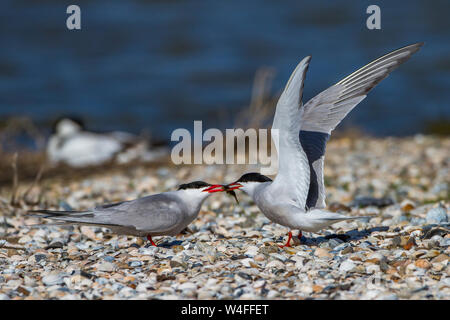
(401, 252)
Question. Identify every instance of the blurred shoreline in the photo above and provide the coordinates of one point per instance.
(148, 64)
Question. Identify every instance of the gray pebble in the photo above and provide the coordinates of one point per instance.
(347, 266)
(399, 219)
(445, 242)
(108, 258)
(135, 264)
(437, 215)
(278, 257)
(334, 242)
(418, 221)
(106, 267)
(4, 296)
(365, 244)
(340, 247)
(53, 279)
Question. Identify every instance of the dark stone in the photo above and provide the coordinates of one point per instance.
(433, 232)
(420, 289)
(360, 202)
(238, 256)
(163, 277)
(40, 257)
(354, 233)
(238, 292)
(245, 276)
(197, 264)
(55, 245)
(264, 291)
(170, 244)
(329, 289)
(277, 272)
(83, 274)
(343, 237)
(86, 274)
(345, 286)
(378, 229)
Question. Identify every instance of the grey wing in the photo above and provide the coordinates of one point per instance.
(314, 144)
(326, 110)
(156, 213)
(292, 179)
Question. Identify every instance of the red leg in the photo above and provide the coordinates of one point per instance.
(149, 238)
(288, 243)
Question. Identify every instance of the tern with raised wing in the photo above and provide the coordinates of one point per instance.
(296, 197)
(163, 214)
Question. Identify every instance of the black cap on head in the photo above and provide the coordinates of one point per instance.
(194, 185)
(253, 177)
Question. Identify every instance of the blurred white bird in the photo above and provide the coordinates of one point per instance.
(71, 144)
(296, 198)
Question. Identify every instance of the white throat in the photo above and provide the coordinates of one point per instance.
(250, 187)
(193, 198)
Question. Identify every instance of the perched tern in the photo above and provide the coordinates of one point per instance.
(71, 144)
(166, 213)
(296, 198)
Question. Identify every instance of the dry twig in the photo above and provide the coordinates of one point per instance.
(15, 182)
(32, 185)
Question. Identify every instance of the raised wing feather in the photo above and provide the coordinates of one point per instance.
(326, 110)
(292, 180)
(314, 144)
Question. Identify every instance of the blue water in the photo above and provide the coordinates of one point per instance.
(160, 65)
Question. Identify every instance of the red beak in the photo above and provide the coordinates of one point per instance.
(233, 186)
(215, 188)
